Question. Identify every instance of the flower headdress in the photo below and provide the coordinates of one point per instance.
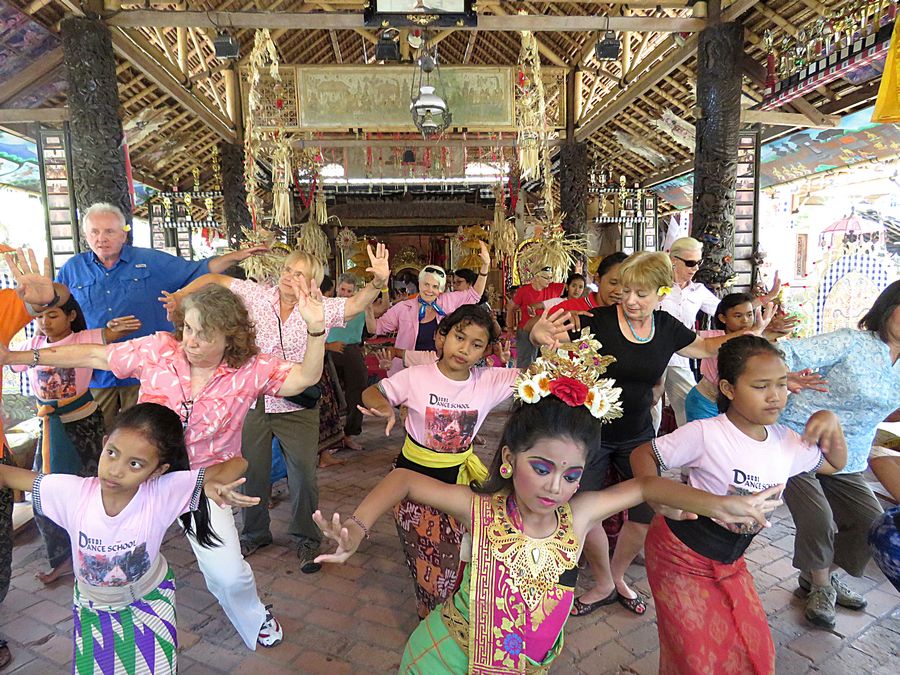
(572, 374)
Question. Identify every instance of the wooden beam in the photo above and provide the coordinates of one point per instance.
(31, 74)
(616, 101)
(470, 45)
(787, 119)
(508, 141)
(140, 18)
(18, 115)
(138, 51)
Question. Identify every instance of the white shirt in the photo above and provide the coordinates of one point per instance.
(684, 304)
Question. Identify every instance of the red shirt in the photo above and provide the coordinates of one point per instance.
(527, 295)
(582, 304)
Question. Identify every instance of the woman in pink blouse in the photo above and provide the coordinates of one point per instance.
(415, 320)
(209, 371)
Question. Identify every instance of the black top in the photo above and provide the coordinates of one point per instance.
(637, 367)
(425, 336)
(713, 541)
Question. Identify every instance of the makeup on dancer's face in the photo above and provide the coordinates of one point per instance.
(547, 475)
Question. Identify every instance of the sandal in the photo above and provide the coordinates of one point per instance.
(5, 654)
(580, 608)
(637, 604)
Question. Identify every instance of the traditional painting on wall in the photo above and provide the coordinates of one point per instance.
(480, 98)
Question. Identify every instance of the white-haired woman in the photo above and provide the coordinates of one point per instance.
(684, 302)
(415, 320)
(282, 331)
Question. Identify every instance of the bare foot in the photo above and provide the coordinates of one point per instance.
(326, 459)
(61, 570)
(350, 444)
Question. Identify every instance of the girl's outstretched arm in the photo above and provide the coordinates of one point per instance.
(376, 405)
(66, 356)
(220, 483)
(398, 485)
(14, 478)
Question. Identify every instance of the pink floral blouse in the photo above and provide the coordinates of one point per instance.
(213, 418)
(261, 302)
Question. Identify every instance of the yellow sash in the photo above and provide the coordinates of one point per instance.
(471, 468)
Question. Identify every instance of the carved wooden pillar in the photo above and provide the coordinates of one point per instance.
(574, 181)
(715, 159)
(98, 160)
(234, 191)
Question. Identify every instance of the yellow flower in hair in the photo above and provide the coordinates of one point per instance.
(542, 380)
(663, 290)
(528, 391)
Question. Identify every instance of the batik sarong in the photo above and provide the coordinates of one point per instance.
(709, 616)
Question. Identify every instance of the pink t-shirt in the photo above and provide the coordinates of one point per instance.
(444, 415)
(263, 306)
(412, 358)
(115, 550)
(49, 383)
(725, 461)
(215, 416)
(709, 367)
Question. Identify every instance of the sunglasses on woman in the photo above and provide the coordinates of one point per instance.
(689, 263)
(435, 270)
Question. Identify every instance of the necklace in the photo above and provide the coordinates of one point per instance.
(635, 335)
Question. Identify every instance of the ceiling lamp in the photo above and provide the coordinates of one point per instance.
(430, 111)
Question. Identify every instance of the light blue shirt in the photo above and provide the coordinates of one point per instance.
(132, 286)
(350, 333)
(863, 386)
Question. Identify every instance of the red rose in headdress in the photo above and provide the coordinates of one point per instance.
(571, 392)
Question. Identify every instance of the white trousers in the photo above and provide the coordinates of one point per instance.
(678, 383)
(229, 577)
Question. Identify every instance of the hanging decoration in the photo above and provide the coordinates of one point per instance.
(551, 246)
(345, 239)
(679, 130)
(503, 232)
(360, 260)
(263, 53)
(264, 267)
(281, 182)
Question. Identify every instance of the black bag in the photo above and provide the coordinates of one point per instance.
(308, 398)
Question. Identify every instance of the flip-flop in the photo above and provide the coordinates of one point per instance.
(580, 608)
(637, 604)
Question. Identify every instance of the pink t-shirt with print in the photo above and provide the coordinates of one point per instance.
(49, 383)
(725, 461)
(263, 305)
(215, 416)
(443, 414)
(115, 550)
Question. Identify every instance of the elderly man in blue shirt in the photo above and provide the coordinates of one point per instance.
(115, 279)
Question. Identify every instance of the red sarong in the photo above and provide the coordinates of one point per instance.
(709, 616)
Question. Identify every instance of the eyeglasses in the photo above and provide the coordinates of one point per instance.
(435, 270)
(689, 263)
(187, 407)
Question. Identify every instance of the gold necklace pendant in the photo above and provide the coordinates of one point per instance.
(533, 565)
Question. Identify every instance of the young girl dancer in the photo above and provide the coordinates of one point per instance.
(526, 522)
(72, 431)
(124, 603)
(709, 616)
(447, 402)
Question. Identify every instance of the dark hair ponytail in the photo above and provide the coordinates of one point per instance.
(161, 426)
(879, 314)
(733, 357)
(77, 324)
(531, 422)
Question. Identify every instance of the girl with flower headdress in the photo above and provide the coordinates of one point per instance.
(447, 403)
(527, 525)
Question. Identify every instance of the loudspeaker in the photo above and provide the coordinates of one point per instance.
(226, 46)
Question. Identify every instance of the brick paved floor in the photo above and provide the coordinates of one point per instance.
(355, 618)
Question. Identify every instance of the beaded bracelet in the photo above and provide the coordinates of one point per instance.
(36, 357)
(361, 525)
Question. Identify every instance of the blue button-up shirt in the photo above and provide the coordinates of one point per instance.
(863, 386)
(132, 286)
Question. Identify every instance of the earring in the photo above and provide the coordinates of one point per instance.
(506, 470)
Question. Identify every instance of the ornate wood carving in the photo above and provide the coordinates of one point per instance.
(574, 177)
(98, 161)
(715, 161)
(235, 193)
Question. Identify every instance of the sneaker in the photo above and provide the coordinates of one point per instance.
(820, 606)
(846, 596)
(270, 633)
(307, 554)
